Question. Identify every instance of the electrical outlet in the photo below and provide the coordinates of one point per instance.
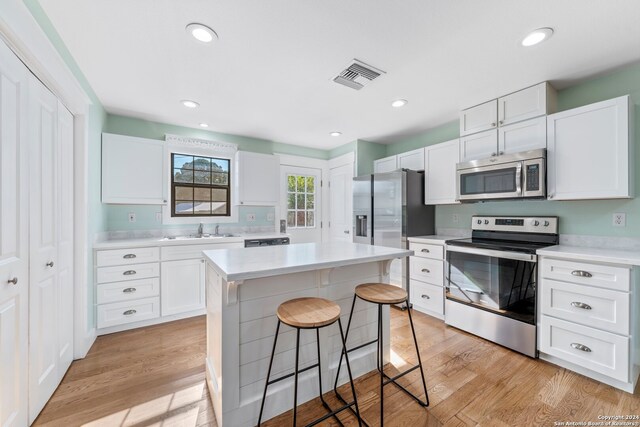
(455, 218)
(251, 217)
(619, 219)
(158, 216)
(132, 217)
(271, 216)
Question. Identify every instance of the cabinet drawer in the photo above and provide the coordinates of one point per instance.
(128, 272)
(129, 290)
(604, 276)
(424, 250)
(427, 297)
(598, 351)
(426, 270)
(127, 256)
(600, 308)
(119, 313)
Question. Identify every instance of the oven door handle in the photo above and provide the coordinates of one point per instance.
(493, 253)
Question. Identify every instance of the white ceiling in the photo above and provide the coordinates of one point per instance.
(269, 74)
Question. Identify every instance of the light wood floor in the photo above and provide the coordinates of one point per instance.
(155, 377)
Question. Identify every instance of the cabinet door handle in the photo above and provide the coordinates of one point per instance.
(129, 256)
(49, 264)
(129, 290)
(550, 196)
(13, 281)
(581, 347)
(129, 312)
(426, 270)
(581, 273)
(501, 121)
(426, 251)
(493, 124)
(501, 153)
(581, 305)
(346, 231)
(129, 273)
(493, 154)
(425, 296)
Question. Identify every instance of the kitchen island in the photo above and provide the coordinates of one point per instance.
(244, 287)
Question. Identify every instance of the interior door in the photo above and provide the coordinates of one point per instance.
(301, 203)
(341, 203)
(14, 235)
(65, 238)
(44, 264)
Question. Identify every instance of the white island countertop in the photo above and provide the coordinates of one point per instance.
(252, 263)
(581, 253)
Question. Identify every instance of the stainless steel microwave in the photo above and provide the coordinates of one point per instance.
(510, 176)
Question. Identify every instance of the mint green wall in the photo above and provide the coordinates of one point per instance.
(576, 217)
(366, 153)
(349, 147)
(153, 130)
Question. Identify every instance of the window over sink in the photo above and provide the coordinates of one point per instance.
(200, 186)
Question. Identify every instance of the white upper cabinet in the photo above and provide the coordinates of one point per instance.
(440, 173)
(387, 164)
(479, 145)
(479, 118)
(534, 101)
(133, 170)
(523, 136)
(257, 179)
(413, 160)
(589, 152)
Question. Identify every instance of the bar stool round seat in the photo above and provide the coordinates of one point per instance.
(308, 312)
(381, 293)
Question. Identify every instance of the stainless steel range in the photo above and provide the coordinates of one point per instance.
(491, 280)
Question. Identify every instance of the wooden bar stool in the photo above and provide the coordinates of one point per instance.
(384, 294)
(310, 313)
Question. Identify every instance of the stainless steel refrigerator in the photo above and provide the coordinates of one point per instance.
(388, 208)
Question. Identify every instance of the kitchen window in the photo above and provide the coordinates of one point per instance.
(200, 186)
(301, 206)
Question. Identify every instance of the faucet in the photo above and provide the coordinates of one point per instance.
(200, 230)
(217, 232)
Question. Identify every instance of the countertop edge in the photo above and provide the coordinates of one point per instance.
(234, 277)
(157, 241)
(581, 253)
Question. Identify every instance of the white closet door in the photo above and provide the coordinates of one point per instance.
(14, 240)
(65, 238)
(44, 295)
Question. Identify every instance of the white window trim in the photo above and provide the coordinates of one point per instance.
(206, 148)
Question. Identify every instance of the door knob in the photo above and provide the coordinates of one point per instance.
(13, 281)
(50, 264)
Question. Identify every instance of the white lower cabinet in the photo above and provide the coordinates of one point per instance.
(426, 275)
(586, 321)
(139, 286)
(182, 286)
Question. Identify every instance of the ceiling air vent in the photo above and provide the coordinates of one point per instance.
(357, 75)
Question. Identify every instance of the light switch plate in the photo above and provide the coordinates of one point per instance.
(251, 217)
(619, 219)
(132, 217)
(270, 216)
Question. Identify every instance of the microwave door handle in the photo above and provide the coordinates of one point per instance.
(519, 179)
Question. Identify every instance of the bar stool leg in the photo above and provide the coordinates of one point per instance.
(353, 388)
(295, 383)
(344, 350)
(415, 342)
(381, 364)
(266, 383)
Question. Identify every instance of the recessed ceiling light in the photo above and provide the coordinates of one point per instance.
(399, 103)
(189, 104)
(204, 125)
(537, 36)
(335, 133)
(202, 33)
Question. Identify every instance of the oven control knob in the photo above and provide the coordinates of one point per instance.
(486, 221)
(546, 223)
(536, 223)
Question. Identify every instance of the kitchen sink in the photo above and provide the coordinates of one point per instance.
(203, 237)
